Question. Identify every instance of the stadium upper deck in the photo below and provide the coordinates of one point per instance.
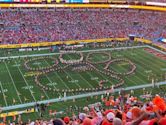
(39, 26)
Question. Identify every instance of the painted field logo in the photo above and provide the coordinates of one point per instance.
(52, 84)
(27, 87)
(148, 71)
(37, 63)
(3, 91)
(74, 81)
(16, 65)
(94, 78)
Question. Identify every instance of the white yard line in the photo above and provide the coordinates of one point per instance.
(97, 80)
(13, 82)
(72, 78)
(125, 77)
(83, 78)
(46, 94)
(131, 79)
(102, 75)
(45, 91)
(141, 62)
(149, 58)
(63, 81)
(52, 82)
(59, 77)
(3, 94)
(25, 82)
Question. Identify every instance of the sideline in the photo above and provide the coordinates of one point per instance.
(81, 96)
(157, 50)
(95, 50)
(51, 54)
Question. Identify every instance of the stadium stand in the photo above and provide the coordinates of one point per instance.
(125, 110)
(39, 26)
(17, 27)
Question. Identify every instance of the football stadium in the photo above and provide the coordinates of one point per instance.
(82, 62)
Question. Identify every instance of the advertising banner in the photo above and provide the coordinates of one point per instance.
(98, 1)
(74, 1)
(6, 0)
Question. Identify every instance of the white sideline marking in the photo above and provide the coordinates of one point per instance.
(95, 50)
(26, 82)
(80, 96)
(163, 69)
(157, 50)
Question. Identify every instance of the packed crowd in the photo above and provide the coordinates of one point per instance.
(38, 26)
(122, 110)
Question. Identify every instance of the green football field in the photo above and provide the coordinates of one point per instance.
(18, 85)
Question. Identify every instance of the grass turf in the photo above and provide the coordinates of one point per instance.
(16, 87)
